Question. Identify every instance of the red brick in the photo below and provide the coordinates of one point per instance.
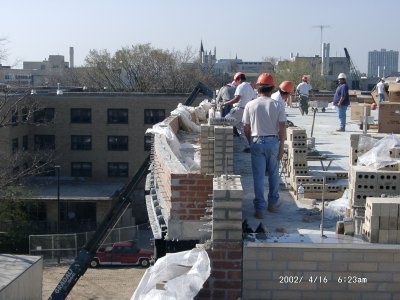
(197, 188)
(203, 194)
(232, 265)
(234, 294)
(218, 274)
(187, 194)
(235, 254)
(216, 255)
(218, 295)
(235, 275)
(224, 284)
(204, 182)
(187, 181)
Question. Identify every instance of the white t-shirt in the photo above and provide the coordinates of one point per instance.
(278, 97)
(264, 114)
(246, 93)
(304, 88)
(381, 87)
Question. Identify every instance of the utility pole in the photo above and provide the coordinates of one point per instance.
(322, 29)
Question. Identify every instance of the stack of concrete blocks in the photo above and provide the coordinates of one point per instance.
(382, 220)
(368, 182)
(227, 208)
(299, 173)
(216, 149)
(297, 152)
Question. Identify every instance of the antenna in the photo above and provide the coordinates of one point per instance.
(322, 29)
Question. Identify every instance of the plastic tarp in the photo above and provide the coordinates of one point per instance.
(377, 152)
(176, 276)
(166, 130)
(185, 113)
(337, 209)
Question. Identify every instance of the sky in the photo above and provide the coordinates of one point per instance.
(251, 29)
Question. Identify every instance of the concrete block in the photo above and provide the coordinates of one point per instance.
(384, 222)
(392, 238)
(383, 236)
(393, 223)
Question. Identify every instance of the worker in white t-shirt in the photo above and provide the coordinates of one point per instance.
(303, 89)
(380, 87)
(244, 94)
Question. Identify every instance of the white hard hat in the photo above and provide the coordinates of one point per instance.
(342, 76)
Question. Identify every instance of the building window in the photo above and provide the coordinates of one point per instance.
(117, 143)
(81, 169)
(117, 116)
(25, 143)
(81, 115)
(118, 169)
(81, 142)
(153, 116)
(45, 142)
(24, 114)
(14, 117)
(44, 115)
(14, 145)
(147, 142)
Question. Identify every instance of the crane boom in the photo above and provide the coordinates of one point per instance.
(354, 73)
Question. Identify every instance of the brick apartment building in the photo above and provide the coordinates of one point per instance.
(99, 143)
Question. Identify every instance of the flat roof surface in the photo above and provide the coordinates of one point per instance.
(12, 266)
(296, 222)
(46, 188)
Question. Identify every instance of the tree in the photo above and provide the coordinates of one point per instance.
(143, 68)
(13, 220)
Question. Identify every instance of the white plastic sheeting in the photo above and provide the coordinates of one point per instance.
(377, 153)
(337, 209)
(176, 276)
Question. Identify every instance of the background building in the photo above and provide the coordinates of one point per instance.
(383, 63)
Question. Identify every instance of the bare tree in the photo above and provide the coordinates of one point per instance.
(19, 107)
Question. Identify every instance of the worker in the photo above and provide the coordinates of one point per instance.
(244, 93)
(397, 79)
(303, 89)
(341, 100)
(380, 87)
(264, 122)
(226, 93)
(283, 93)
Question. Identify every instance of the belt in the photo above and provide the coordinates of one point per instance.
(265, 136)
(241, 107)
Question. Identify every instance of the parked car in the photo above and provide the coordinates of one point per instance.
(122, 253)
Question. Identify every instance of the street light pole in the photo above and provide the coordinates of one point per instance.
(57, 167)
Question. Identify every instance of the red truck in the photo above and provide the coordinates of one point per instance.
(122, 253)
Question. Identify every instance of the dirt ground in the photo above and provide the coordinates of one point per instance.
(97, 284)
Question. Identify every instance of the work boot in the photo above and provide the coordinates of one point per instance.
(274, 207)
(340, 130)
(259, 214)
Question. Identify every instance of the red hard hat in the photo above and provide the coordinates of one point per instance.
(237, 75)
(304, 78)
(265, 79)
(373, 106)
(287, 86)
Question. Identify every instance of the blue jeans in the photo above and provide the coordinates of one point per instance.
(342, 115)
(264, 158)
(381, 97)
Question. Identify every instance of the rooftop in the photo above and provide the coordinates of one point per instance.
(295, 221)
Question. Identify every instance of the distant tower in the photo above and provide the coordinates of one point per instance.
(201, 54)
(325, 59)
(71, 57)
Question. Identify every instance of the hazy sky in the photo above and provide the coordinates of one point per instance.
(252, 29)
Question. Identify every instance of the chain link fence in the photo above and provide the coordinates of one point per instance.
(66, 246)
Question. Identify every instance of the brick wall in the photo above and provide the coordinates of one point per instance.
(225, 281)
(267, 268)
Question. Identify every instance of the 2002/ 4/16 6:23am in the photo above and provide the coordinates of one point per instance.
(322, 279)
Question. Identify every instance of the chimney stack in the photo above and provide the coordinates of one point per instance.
(71, 57)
